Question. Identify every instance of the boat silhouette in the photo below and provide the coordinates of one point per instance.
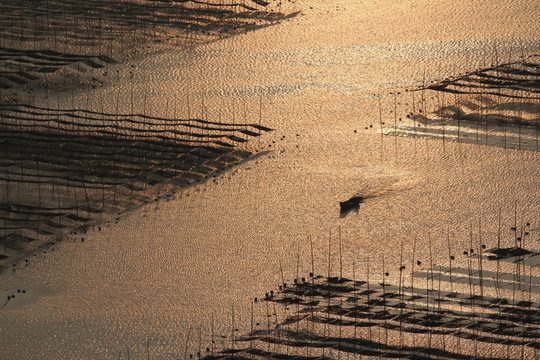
(352, 203)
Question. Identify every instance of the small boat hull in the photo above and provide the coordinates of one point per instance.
(352, 203)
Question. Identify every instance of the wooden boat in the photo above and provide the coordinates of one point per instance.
(352, 203)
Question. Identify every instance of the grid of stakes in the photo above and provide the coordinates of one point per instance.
(495, 106)
(443, 312)
(63, 169)
(42, 37)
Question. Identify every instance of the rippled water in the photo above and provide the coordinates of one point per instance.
(169, 270)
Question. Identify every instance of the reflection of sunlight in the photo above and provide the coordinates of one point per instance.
(193, 230)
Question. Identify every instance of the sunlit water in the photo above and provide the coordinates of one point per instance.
(169, 270)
